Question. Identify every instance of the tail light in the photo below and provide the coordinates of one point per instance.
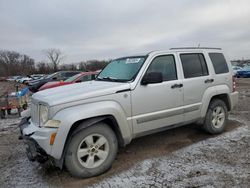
(234, 83)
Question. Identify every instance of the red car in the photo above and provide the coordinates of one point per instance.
(81, 77)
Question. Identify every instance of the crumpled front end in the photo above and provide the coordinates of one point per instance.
(36, 139)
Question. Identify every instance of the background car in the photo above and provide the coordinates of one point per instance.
(13, 78)
(236, 69)
(3, 79)
(37, 76)
(24, 79)
(81, 77)
(57, 76)
(244, 72)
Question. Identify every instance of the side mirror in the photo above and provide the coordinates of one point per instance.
(152, 78)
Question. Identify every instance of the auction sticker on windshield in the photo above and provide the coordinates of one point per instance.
(133, 60)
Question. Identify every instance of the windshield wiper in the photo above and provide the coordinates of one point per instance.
(112, 79)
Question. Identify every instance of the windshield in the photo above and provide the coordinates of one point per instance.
(246, 68)
(71, 79)
(122, 70)
(51, 75)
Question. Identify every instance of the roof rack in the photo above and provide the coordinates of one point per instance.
(192, 48)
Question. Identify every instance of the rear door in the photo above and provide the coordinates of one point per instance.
(196, 80)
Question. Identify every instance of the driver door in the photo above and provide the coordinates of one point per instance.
(158, 105)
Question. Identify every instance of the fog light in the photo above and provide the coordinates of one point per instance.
(52, 138)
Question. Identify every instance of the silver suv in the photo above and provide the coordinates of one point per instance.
(81, 126)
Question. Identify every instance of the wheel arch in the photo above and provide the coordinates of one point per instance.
(220, 92)
(108, 119)
(225, 98)
(83, 124)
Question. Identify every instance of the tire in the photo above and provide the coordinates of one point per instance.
(84, 167)
(19, 110)
(9, 111)
(25, 106)
(2, 114)
(216, 117)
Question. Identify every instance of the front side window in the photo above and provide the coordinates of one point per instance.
(58, 76)
(122, 70)
(166, 65)
(73, 78)
(194, 65)
(69, 74)
(219, 63)
(86, 78)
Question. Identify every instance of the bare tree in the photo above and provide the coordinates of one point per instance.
(93, 65)
(55, 56)
(14, 63)
(83, 66)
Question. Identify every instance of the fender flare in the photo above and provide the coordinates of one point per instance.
(209, 94)
(90, 113)
(83, 125)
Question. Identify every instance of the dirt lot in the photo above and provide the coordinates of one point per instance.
(183, 157)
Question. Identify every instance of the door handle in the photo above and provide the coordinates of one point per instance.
(209, 81)
(177, 86)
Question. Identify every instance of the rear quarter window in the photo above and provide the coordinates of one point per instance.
(219, 63)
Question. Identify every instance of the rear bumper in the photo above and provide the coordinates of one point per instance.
(234, 98)
(36, 139)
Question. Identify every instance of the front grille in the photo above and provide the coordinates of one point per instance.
(34, 114)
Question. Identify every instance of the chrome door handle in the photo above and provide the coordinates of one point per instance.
(209, 81)
(177, 86)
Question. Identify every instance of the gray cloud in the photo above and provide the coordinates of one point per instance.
(107, 28)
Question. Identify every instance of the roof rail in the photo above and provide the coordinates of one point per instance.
(151, 52)
(192, 48)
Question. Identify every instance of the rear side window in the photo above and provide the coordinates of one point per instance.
(194, 65)
(166, 65)
(219, 63)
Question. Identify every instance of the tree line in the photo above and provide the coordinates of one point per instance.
(14, 63)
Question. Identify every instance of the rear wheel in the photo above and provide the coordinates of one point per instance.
(216, 117)
(91, 151)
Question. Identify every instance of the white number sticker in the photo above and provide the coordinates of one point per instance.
(134, 60)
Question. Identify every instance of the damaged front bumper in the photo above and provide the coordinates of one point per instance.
(36, 140)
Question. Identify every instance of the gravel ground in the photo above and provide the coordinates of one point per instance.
(182, 157)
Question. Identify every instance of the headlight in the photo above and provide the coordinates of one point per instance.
(52, 124)
(43, 114)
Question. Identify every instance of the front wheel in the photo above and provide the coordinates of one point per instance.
(216, 117)
(91, 151)
(2, 113)
(9, 111)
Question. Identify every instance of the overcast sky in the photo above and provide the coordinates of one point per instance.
(103, 29)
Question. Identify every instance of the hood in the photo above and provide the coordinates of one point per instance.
(78, 91)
